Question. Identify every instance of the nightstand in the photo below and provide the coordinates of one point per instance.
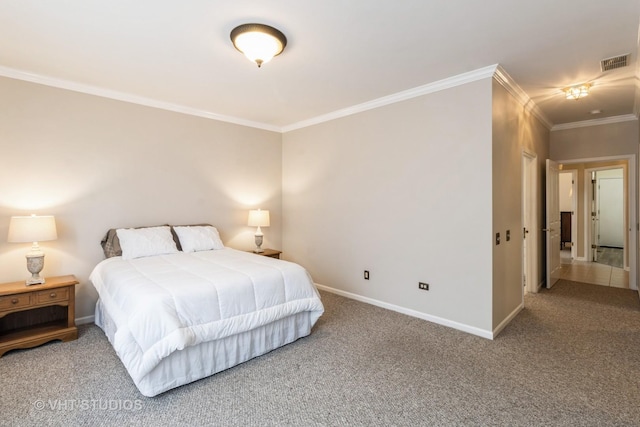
(33, 315)
(271, 253)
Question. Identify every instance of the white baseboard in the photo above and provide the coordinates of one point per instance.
(85, 320)
(413, 313)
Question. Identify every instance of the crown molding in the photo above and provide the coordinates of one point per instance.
(516, 91)
(495, 71)
(437, 86)
(126, 97)
(595, 122)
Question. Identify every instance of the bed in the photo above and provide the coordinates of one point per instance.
(179, 311)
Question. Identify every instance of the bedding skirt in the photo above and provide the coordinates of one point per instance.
(207, 358)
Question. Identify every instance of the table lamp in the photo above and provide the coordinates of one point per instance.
(23, 229)
(258, 218)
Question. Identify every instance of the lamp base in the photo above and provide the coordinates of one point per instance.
(35, 263)
(35, 280)
(258, 249)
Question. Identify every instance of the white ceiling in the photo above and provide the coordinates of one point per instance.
(339, 54)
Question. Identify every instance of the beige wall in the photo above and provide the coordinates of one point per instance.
(592, 142)
(566, 191)
(401, 191)
(97, 163)
(514, 131)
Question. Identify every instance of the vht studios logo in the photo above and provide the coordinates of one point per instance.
(88, 405)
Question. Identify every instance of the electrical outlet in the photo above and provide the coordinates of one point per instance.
(423, 286)
(497, 238)
(366, 275)
(508, 235)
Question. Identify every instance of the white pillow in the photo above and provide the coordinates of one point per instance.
(198, 238)
(142, 242)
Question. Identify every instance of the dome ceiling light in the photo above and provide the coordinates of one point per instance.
(258, 42)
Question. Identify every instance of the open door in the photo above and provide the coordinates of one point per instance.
(608, 212)
(530, 228)
(553, 223)
(595, 222)
(611, 212)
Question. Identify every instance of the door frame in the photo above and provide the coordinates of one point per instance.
(574, 214)
(574, 211)
(632, 208)
(530, 218)
(552, 222)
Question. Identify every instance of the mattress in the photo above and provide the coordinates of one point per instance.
(173, 319)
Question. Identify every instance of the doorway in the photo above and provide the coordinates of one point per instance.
(608, 217)
(581, 266)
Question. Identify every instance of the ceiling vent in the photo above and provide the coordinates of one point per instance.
(615, 62)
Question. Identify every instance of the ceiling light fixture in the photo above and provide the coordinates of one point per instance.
(577, 92)
(259, 42)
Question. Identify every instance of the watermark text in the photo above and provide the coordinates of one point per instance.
(87, 405)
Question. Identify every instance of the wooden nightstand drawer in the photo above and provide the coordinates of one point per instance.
(12, 302)
(52, 295)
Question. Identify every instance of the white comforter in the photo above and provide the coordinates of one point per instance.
(165, 303)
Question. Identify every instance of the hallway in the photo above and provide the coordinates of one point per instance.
(592, 272)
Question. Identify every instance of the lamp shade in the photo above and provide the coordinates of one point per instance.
(32, 228)
(258, 218)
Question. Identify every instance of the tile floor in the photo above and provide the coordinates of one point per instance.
(592, 272)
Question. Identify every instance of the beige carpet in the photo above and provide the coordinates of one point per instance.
(571, 358)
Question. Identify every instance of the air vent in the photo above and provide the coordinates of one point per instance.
(615, 62)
